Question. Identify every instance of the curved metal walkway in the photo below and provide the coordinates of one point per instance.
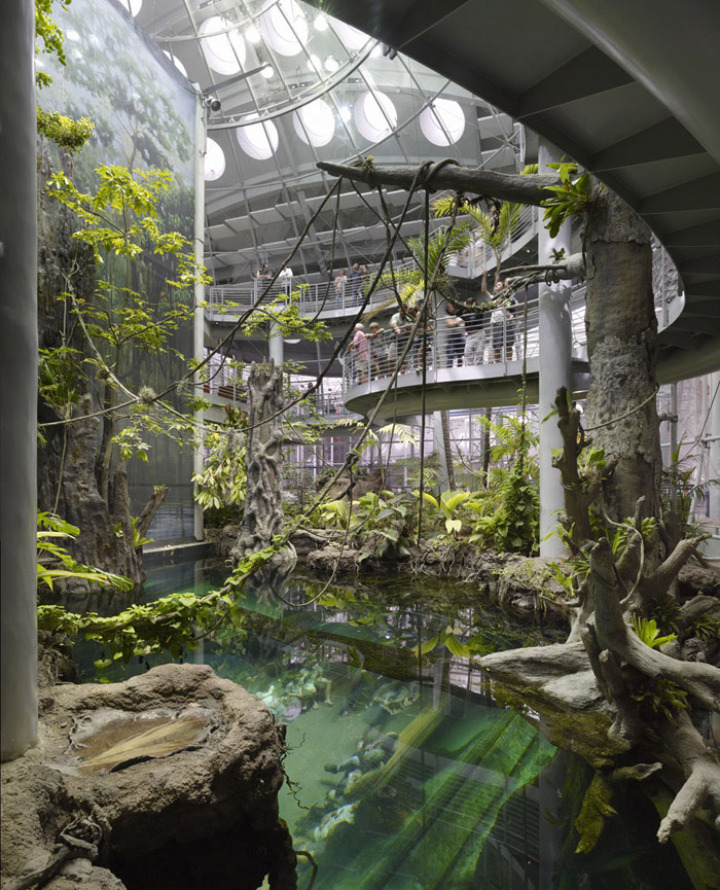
(629, 90)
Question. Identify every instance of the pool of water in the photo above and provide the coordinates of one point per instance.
(403, 773)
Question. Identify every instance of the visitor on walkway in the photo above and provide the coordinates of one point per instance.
(285, 277)
(501, 320)
(423, 340)
(475, 342)
(340, 286)
(262, 276)
(355, 279)
(451, 343)
(359, 350)
(379, 365)
(401, 326)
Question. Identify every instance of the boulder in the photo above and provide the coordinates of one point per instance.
(169, 779)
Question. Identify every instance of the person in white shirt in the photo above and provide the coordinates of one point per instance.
(285, 276)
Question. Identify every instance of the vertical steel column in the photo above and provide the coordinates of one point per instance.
(18, 394)
(555, 335)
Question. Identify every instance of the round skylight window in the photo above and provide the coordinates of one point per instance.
(260, 140)
(214, 161)
(222, 45)
(177, 63)
(350, 37)
(442, 122)
(375, 116)
(285, 27)
(315, 123)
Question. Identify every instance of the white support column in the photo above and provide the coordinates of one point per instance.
(18, 393)
(441, 451)
(199, 315)
(555, 333)
(713, 546)
(276, 347)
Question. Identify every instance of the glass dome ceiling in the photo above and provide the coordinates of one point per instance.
(295, 86)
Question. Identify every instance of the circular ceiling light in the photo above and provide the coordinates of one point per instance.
(268, 72)
(331, 64)
(315, 123)
(252, 35)
(214, 161)
(442, 122)
(375, 116)
(259, 140)
(222, 45)
(350, 37)
(176, 62)
(285, 27)
(321, 22)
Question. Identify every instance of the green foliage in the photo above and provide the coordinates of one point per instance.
(508, 513)
(52, 37)
(284, 314)
(571, 198)
(494, 231)
(172, 624)
(410, 282)
(380, 523)
(679, 489)
(121, 223)
(448, 508)
(70, 134)
(707, 627)
(646, 630)
(60, 377)
(55, 563)
(663, 696)
(508, 518)
(448, 638)
(221, 487)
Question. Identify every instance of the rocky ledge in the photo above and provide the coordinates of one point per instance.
(168, 780)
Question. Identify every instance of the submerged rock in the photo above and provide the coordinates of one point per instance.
(169, 780)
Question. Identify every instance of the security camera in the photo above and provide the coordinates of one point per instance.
(215, 105)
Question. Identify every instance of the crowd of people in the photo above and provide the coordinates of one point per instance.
(461, 334)
(465, 333)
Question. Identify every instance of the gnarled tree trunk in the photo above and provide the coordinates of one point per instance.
(263, 513)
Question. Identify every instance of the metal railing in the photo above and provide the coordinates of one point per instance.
(496, 341)
(470, 262)
(229, 302)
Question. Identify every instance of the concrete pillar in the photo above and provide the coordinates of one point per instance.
(199, 315)
(713, 545)
(555, 332)
(18, 393)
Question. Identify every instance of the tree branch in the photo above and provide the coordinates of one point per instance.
(667, 572)
(523, 189)
(700, 680)
(702, 773)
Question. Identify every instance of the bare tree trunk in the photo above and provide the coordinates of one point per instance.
(622, 333)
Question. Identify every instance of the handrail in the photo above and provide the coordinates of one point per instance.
(497, 341)
(228, 302)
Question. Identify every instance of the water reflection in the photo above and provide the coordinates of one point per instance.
(403, 774)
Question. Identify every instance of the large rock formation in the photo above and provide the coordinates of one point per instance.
(168, 780)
